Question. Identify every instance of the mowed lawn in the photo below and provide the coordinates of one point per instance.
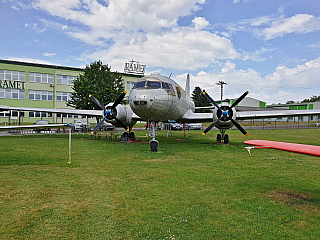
(192, 188)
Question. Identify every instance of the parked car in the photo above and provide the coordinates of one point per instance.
(106, 126)
(41, 122)
(176, 126)
(193, 126)
(80, 124)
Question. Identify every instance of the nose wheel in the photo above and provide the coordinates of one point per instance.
(153, 143)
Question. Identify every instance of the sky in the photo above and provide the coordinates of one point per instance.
(269, 48)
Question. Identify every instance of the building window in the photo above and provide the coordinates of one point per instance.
(39, 114)
(12, 75)
(130, 85)
(59, 115)
(41, 77)
(66, 80)
(40, 95)
(12, 93)
(63, 96)
(11, 114)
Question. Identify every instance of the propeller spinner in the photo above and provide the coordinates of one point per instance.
(110, 112)
(225, 113)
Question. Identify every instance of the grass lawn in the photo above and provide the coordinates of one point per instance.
(192, 188)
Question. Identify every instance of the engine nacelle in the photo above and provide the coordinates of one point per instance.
(122, 113)
(225, 122)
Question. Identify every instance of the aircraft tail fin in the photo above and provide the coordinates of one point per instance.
(187, 90)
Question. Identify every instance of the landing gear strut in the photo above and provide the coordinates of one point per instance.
(153, 143)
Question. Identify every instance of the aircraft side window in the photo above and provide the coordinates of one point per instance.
(172, 90)
(179, 92)
(140, 84)
(164, 85)
(153, 84)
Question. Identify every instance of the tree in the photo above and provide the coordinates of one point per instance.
(96, 80)
(290, 102)
(312, 99)
(200, 100)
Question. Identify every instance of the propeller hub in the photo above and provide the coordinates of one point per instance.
(107, 112)
(225, 113)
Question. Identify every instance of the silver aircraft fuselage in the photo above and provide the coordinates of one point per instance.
(158, 98)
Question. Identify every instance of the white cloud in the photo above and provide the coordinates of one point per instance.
(32, 60)
(273, 26)
(256, 55)
(283, 84)
(182, 48)
(46, 54)
(300, 23)
(200, 23)
(34, 27)
(106, 19)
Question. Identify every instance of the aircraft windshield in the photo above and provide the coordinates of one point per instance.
(148, 84)
(140, 84)
(153, 84)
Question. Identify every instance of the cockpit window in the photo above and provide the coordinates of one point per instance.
(140, 84)
(169, 88)
(153, 84)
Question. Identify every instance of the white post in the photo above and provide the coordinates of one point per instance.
(69, 146)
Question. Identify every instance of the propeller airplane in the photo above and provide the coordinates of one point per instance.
(156, 98)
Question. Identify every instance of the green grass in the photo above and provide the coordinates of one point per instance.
(192, 188)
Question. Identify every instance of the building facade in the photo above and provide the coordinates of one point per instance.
(298, 106)
(25, 84)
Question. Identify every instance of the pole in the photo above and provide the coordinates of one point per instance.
(69, 146)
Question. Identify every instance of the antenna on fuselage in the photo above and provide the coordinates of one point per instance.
(221, 83)
(170, 75)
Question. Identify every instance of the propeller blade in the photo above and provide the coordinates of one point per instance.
(97, 102)
(121, 124)
(211, 100)
(119, 99)
(99, 123)
(239, 99)
(239, 127)
(211, 126)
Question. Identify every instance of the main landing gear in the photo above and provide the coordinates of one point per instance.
(223, 136)
(130, 135)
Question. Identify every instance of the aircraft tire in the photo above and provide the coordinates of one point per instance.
(132, 136)
(218, 137)
(154, 146)
(226, 139)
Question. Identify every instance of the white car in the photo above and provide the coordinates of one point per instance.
(80, 124)
(193, 126)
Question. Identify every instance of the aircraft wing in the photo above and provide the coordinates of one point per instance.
(191, 117)
(290, 147)
(276, 114)
(93, 113)
(34, 126)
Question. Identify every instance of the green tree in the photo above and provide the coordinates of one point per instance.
(200, 100)
(96, 80)
(312, 99)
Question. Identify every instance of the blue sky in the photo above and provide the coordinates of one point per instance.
(270, 48)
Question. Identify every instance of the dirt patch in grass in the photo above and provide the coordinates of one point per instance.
(298, 200)
(156, 160)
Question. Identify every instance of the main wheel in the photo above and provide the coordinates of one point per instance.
(132, 136)
(226, 139)
(218, 137)
(154, 146)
